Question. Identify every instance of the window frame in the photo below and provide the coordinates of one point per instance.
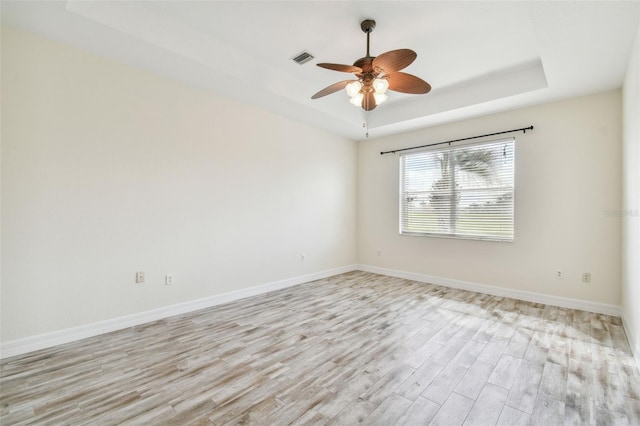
(453, 148)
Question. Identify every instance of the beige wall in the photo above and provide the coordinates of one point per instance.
(567, 176)
(108, 170)
(631, 206)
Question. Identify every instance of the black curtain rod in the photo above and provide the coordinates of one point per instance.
(523, 130)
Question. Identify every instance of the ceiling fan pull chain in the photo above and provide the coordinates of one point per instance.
(365, 125)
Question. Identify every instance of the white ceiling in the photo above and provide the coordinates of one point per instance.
(480, 57)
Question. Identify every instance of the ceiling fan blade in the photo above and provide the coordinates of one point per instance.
(368, 101)
(331, 89)
(407, 83)
(394, 60)
(341, 68)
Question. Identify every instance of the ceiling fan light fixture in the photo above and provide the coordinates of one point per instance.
(380, 85)
(380, 98)
(357, 99)
(375, 75)
(353, 88)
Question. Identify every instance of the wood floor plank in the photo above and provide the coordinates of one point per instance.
(422, 354)
(356, 348)
(524, 390)
(421, 411)
(468, 354)
(492, 351)
(453, 411)
(474, 379)
(579, 409)
(389, 411)
(548, 411)
(505, 371)
(486, 410)
(354, 414)
(553, 383)
(442, 386)
(388, 384)
(512, 417)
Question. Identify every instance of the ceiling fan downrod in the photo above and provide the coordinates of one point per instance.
(367, 27)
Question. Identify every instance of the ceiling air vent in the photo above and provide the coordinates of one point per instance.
(302, 57)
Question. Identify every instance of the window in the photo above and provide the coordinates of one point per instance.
(463, 191)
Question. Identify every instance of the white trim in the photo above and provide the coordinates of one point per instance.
(546, 299)
(46, 340)
(632, 338)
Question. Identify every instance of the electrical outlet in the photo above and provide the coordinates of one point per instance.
(586, 277)
(168, 279)
(139, 277)
(302, 256)
(559, 274)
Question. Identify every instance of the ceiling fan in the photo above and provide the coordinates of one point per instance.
(376, 75)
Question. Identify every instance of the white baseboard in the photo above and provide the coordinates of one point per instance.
(632, 337)
(528, 296)
(46, 340)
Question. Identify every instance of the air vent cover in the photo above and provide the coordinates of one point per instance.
(302, 57)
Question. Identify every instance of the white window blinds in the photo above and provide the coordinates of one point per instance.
(464, 191)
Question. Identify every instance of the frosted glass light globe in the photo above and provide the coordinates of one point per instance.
(353, 88)
(380, 85)
(380, 98)
(357, 99)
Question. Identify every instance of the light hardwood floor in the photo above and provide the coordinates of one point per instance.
(354, 348)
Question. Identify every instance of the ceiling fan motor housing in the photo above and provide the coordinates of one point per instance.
(366, 64)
